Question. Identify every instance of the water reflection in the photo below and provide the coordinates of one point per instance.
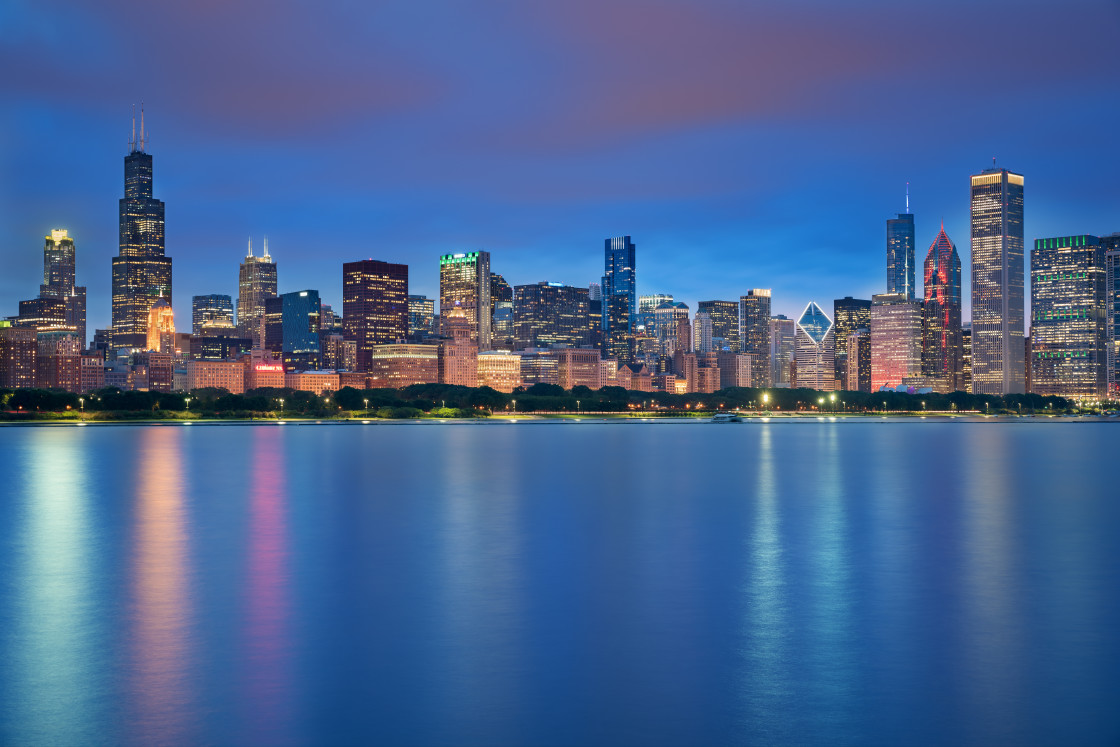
(267, 631)
(160, 616)
(991, 627)
(55, 655)
(481, 588)
(767, 684)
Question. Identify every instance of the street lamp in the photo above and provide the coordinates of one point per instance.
(188, 402)
(765, 400)
(364, 400)
(832, 401)
(82, 402)
(514, 405)
(577, 405)
(281, 405)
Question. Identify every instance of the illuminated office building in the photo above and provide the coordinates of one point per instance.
(421, 317)
(397, 365)
(620, 340)
(900, 255)
(997, 282)
(458, 352)
(858, 375)
(374, 305)
(61, 305)
(500, 370)
(1110, 246)
(464, 284)
(212, 312)
(161, 327)
(648, 303)
(501, 313)
(725, 322)
(548, 314)
(142, 271)
(1068, 317)
(942, 346)
(849, 314)
(292, 329)
(815, 345)
(896, 340)
(754, 333)
(19, 349)
(783, 336)
(702, 332)
(256, 283)
(619, 264)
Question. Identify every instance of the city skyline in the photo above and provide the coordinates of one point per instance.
(714, 197)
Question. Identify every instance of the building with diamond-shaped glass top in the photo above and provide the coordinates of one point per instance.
(815, 345)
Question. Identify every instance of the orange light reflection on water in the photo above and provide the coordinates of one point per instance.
(160, 614)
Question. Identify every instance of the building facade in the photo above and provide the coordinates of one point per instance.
(458, 352)
(292, 329)
(374, 305)
(1110, 246)
(815, 345)
(783, 336)
(997, 282)
(849, 314)
(397, 365)
(500, 370)
(256, 283)
(725, 323)
(619, 265)
(214, 311)
(754, 333)
(548, 314)
(900, 255)
(1069, 329)
(942, 344)
(61, 304)
(896, 340)
(141, 271)
(464, 284)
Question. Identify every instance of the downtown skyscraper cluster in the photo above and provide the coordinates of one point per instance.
(487, 330)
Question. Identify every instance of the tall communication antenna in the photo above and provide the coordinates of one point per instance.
(907, 197)
(143, 139)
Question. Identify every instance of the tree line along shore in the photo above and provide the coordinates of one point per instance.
(445, 400)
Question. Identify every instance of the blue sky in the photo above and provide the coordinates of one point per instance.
(741, 145)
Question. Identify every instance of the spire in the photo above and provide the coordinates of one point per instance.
(143, 139)
(250, 254)
(907, 197)
(132, 140)
(266, 257)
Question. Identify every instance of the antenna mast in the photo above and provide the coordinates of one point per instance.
(907, 197)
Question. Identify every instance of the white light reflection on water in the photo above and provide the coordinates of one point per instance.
(767, 687)
(991, 624)
(55, 653)
(480, 592)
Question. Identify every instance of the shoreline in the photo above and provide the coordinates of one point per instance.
(573, 418)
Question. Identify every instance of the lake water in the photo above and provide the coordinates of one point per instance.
(561, 583)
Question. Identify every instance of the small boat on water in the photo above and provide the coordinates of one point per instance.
(727, 417)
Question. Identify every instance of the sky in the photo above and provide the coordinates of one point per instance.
(740, 144)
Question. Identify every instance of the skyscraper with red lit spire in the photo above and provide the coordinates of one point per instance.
(942, 341)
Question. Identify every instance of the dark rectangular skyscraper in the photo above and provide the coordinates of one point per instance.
(141, 273)
(754, 333)
(550, 314)
(374, 305)
(900, 255)
(849, 315)
(725, 322)
(213, 311)
(997, 282)
(618, 277)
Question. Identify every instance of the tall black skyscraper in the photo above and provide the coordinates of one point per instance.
(900, 253)
(141, 272)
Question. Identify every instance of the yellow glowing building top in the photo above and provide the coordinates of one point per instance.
(161, 326)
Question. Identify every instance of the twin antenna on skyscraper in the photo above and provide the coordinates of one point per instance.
(135, 145)
(250, 254)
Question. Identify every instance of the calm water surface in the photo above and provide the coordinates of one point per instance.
(669, 583)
